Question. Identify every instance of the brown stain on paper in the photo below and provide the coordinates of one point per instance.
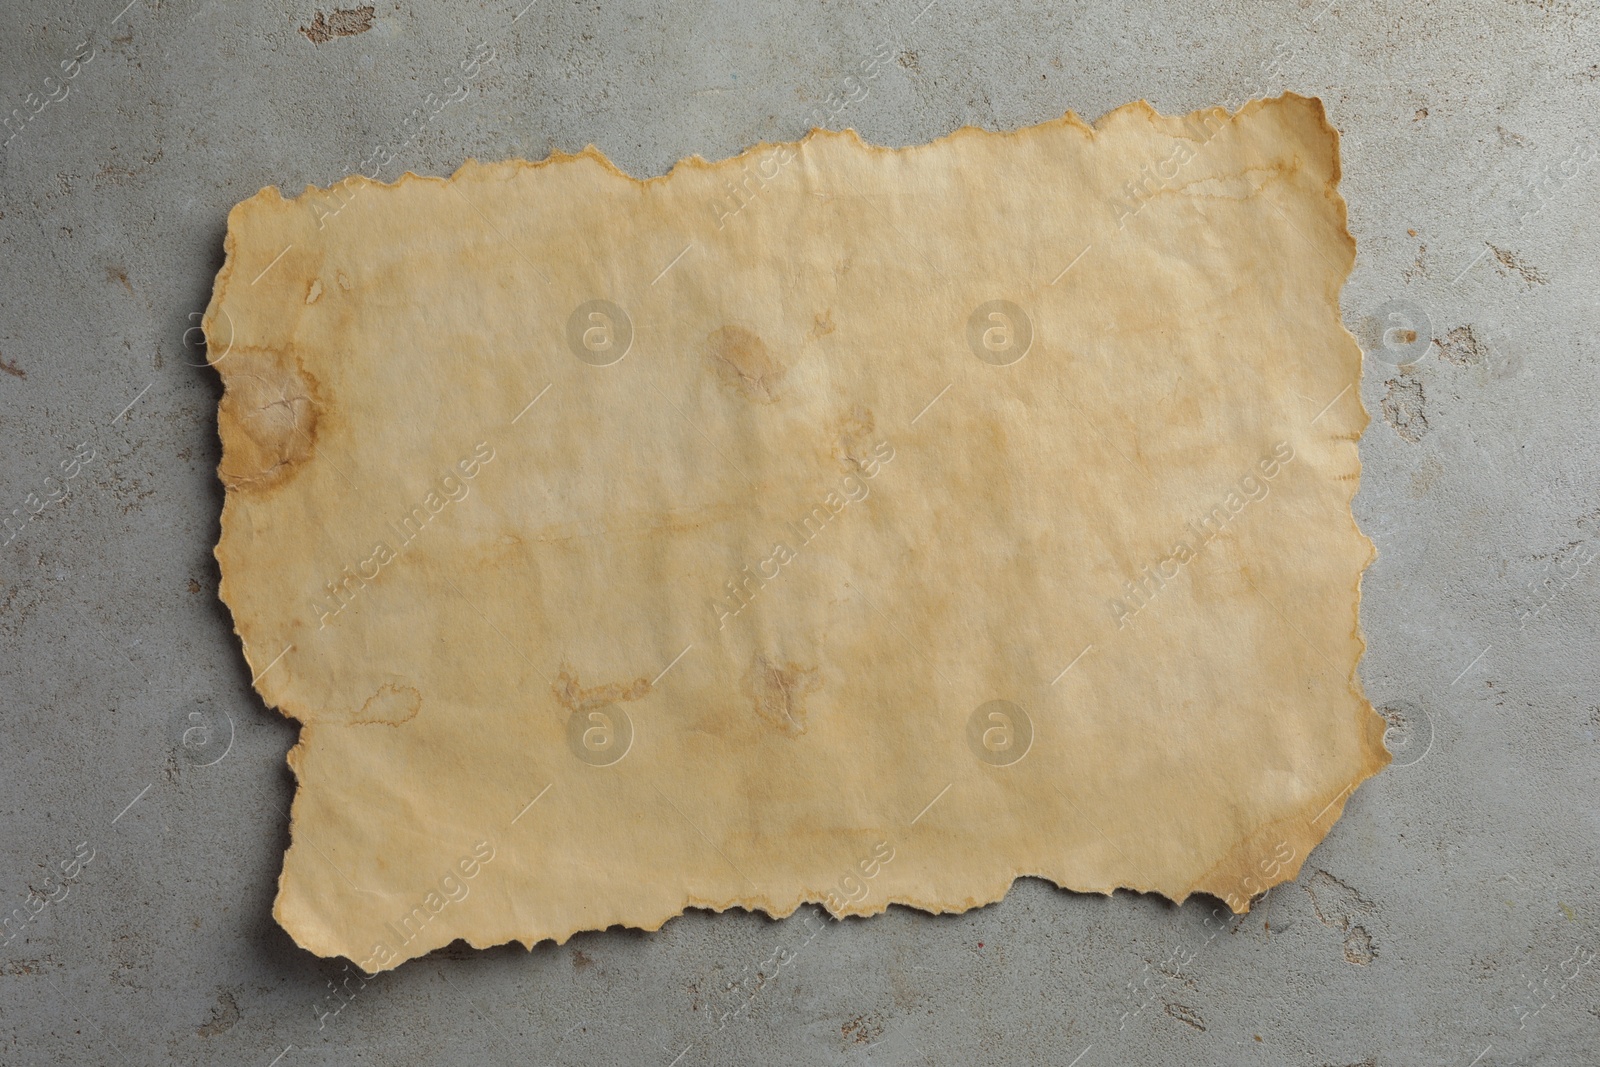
(391, 705)
(574, 697)
(855, 438)
(778, 693)
(268, 418)
(743, 365)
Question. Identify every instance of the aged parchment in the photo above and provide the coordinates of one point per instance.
(834, 523)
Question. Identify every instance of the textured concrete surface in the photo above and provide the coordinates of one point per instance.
(1449, 919)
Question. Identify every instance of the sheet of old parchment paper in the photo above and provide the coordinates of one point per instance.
(834, 523)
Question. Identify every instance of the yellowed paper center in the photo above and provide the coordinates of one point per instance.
(833, 523)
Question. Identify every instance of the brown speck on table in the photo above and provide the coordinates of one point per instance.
(345, 22)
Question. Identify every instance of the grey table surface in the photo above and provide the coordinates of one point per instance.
(1448, 919)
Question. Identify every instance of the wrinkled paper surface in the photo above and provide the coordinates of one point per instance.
(834, 523)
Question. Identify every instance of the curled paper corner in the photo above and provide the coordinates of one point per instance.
(830, 524)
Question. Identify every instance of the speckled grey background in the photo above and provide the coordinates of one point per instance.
(1450, 917)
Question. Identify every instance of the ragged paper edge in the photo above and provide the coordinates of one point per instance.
(1241, 856)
